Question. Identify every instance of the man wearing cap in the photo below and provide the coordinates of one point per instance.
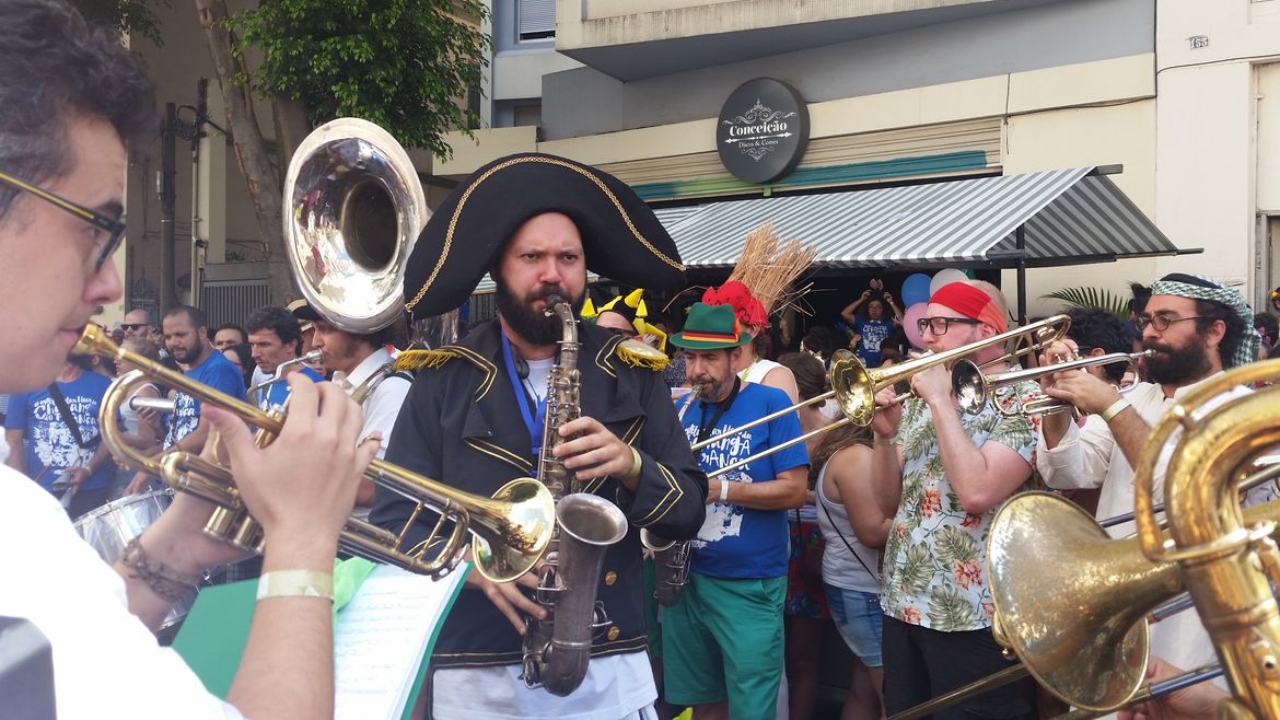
(723, 639)
(355, 360)
(1195, 328)
(942, 474)
(474, 418)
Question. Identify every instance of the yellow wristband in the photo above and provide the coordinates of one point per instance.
(1115, 409)
(635, 465)
(296, 583)
(879, 441)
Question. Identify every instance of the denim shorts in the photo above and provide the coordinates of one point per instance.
(860, 621)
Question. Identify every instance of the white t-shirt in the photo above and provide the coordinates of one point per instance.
(106, 663)
(381, 407)
(615, 687)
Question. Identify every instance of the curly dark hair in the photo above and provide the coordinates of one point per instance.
(1093, 328)
(278, 320)
(58, 67)
(1209, 312)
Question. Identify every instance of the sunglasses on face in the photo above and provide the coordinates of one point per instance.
(132, 326)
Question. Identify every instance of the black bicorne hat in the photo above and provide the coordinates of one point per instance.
(621, 237)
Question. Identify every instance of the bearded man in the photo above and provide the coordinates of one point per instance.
(1195, 327)
(474, 419)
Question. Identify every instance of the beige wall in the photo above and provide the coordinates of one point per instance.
(600, 23)
(1119, 134)
(1121, 80)
(1215, 147)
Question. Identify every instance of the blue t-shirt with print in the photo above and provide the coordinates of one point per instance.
(50, 445)
(872, 333)
(276, 394)
(217, 372)
(737, 542)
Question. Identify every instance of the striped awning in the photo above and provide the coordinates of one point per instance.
(1067, 217)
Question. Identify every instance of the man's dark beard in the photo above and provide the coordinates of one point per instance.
(1177, 366)
(185, 356)
(533, 326)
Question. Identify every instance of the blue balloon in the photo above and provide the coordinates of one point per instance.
(915, 289)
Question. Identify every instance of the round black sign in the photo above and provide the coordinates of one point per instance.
(763, 130)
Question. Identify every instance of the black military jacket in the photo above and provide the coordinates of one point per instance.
(462, 424)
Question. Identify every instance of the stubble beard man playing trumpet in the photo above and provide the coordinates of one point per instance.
(941, 474)
(69, 100)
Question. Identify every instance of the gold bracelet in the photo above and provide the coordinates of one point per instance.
(879, 441)
(296, 583)
(635, 465)
(1115, 409)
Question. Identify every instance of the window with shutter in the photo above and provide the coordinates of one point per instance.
(536, 19)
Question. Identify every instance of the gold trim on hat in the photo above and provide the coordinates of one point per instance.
(462, 202)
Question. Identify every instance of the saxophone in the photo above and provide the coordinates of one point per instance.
(557, 650)
(670, 566)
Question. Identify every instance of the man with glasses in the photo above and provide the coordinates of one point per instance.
(71, 97)
(1195, 327)
(137, 323)
(942, 474)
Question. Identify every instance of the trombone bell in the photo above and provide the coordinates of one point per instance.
(1085, 640)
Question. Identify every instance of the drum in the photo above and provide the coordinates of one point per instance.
(109, 528)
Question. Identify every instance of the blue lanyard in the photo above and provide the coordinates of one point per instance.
(533, 415)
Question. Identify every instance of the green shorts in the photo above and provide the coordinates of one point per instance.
(723, 641)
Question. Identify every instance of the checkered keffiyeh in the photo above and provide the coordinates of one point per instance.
(1199, 287)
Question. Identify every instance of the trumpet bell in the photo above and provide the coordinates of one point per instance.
(522, 536)
(353, 210)
(1071, 601)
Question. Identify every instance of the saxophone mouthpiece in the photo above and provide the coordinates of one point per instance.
(554, 300)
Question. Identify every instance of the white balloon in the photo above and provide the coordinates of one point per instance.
(945, 277)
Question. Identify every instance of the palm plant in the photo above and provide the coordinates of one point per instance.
(1092, 298)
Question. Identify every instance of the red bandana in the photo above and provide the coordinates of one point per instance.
(972, 303)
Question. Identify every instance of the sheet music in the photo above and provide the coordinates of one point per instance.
(381, 638)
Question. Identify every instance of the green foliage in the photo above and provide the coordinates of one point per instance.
(132, 16)
(1093, 299)
(406, 65)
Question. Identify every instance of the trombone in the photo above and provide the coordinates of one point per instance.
(972, 388)
(854, 386)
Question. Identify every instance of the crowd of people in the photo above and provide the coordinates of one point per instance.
(692, 432)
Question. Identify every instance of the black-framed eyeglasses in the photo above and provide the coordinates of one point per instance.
(133, 326)
(938, 325)
(1162, 322)
(112, 227)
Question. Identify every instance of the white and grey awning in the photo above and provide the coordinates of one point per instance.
(1059, 217)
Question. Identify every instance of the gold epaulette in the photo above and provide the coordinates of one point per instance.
(637, 354)
(415, 360)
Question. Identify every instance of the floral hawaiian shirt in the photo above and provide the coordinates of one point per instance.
(934, 560)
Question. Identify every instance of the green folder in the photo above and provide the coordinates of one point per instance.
(213, 637)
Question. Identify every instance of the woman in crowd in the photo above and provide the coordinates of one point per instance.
(853, 527)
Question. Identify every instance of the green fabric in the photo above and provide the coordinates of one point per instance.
(723, 641)
(711, 319)
(347, 577)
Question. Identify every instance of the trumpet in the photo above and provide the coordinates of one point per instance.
(854, 386)
(511, 529)
(311, 357)
(972, 388)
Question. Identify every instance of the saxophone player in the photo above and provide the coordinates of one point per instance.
(474, 419)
